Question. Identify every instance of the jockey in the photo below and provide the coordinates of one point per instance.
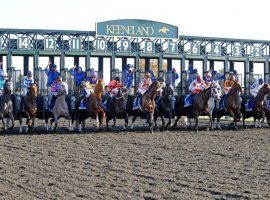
(52, 74)
(197, 85)
(208, 77)
(93, 77)
(193, 75)
(3, 78)
(143, 87)
(27, 82)
(113, 86)
(151, 72)
(129, 76)
(145, 83)
(85, 93)
(255, 87)
(79, 76)
(172, 76)
(162, 86)
(56, 87)
(228, 84)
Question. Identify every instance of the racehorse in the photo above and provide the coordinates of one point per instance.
(260, 107)
(94, 109)
(30, 105)
(165, 107)
(147, 105)
(231, 105)
(199, 106)
(6, 106)
(60, 109)
(118, 108)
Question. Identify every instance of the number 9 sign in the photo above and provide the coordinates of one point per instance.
(125, 46)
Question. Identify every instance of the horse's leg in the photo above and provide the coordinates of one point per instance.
(21, 129)
(114, 121)
(170, 121)
(3, 121)
(243, 119)
(56, 122)
(151, 118)
(107, 123)
(155, 120)
(11, 117)
(163, 123)
(79, 122)
(33, 122)
(175, 122)
(126, 121)
(196, 116)
(133, 120)
(27, 121)
(210, 121)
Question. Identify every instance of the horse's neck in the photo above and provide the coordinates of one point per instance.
(260, 97)
(206, 94)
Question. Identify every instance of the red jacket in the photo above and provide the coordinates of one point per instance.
(114, 84)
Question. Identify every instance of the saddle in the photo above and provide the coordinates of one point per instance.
(249, 105)
(188, 100)
(137, 103)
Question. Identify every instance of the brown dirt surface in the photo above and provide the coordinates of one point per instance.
(135, 165)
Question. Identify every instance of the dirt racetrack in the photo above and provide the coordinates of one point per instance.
(136, 165)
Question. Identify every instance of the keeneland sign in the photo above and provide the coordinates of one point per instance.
(136, 28)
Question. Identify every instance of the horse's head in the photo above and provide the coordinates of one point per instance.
(99, 88)
(216, 91)
(168, 90)
(7, 86)
(265, 89)
(34, 89)
(236, 87)
(122, 93)
(154, 86)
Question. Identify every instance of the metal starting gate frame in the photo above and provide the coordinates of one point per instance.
(36, 43)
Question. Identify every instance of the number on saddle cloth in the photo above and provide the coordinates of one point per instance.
(188, 100)
(107, 104)
(249, 105)
(137, 102)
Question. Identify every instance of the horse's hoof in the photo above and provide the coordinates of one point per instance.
(207, 129)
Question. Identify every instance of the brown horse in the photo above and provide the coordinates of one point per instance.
(260, 107)
(95, 109)
(232, 105)
(30, 105)
(147, 107)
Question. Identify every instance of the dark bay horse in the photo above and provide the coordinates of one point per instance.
(260, 107)
(165, 107)
(95, 109)
(30, 105)
(232, 105)
(200, 106)
(118, 108)
(147, 105)
(6, 106)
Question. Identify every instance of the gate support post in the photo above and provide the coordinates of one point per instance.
(246, 76)
(266, 71)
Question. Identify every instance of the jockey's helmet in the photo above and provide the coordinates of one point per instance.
(199, 79)
(195, 71)
(208, 74)
(54, 66)
(131, 69)
(214, 72)
(232, 77)
(260, 81)
(79, 69)
(59, 79)
(161, 79)
(83, 83)
(147, 75)
(29, 74)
